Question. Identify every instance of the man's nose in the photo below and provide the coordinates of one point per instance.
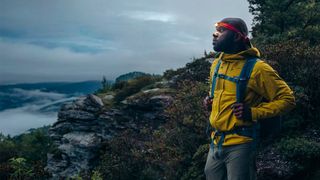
(215, 34)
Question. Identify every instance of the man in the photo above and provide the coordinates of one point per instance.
(231, 155)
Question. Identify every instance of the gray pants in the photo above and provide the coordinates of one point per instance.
(237, 162)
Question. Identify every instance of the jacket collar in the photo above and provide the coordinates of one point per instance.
(249, 53)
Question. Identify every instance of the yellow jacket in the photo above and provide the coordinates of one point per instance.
(264, 83)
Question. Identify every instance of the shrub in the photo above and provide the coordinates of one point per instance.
(31, 148)
(21, 168)
(195, 171)
(35, 145)
(167, 152)
(7, 148)
(187, 109)
(133, 86)
(96, 175)
(118, 160)
(106, 86)
(197, 70)
(299, 148)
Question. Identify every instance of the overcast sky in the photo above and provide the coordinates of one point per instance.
(77, 40)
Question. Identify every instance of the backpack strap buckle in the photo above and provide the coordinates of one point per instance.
(222, 76)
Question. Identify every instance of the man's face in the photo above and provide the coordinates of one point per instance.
(222, 39)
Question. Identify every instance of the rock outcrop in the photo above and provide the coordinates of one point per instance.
(85, 124)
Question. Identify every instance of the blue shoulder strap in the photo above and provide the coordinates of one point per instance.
(244, 79)
(214, 78)
(241, 83)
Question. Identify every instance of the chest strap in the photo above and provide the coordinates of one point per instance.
(232, 79)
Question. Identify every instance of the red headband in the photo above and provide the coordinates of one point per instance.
(232, 28)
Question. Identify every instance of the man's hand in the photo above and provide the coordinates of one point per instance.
(207, 103)
(241, 111)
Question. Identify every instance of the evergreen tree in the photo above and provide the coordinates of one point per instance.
(104, 82)
(205, 53)
(288, 19)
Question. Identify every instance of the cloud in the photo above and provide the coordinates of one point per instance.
(38, 94)
(151, 16)
(81, 45)
(16, 121)
(83, 40)
(41, 110)
(45, 106)
(34, 63)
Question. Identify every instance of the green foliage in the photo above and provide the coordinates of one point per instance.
(187, 109)
(167, 152)
(75, 177)
(119, 161)
(35, 145)
(31, 148)
(130, 75)
(154, 85)
(298, 148)
(7, 148)
(120, 85)
(169, 73)
(96, 175)
(195, 171)
(197, 70)
(188, 121)
(21, 169)
(125, 89)
(293, 122)
(290, 19)
(106, 86)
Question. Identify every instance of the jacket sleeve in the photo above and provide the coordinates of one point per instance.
(273, 88)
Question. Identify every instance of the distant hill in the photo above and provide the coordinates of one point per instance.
(84, 87)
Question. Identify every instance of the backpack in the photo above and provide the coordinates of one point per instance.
(264, 128)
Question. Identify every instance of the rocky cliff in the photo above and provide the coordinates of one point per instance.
(85, 124)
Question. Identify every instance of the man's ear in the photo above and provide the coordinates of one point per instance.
(237, 37)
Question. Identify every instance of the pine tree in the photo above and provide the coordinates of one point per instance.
(289, 19)
(104, 82)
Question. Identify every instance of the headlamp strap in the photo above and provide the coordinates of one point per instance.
(232, 28)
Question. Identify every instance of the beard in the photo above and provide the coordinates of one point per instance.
(223, 44)
(220, 46)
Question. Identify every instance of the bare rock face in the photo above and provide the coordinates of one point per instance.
(84, 125)
(78, 134)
